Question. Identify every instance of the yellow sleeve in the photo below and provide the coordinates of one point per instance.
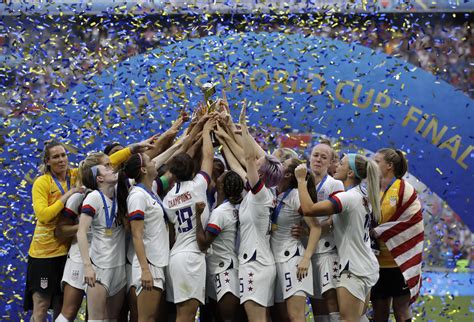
(44, 213)
(120, 157)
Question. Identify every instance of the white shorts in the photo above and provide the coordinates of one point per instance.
(224, 282)
(113, 279)
(158, 274)
(257, 283)
(359, 286)
(287, 284)
(187, 272)
(210, 286)
(325, 273)
(73, 275)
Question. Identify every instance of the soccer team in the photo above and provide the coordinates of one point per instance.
(210, 219)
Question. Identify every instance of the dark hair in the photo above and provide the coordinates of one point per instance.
(396, 157)
(162, 170)
(311, 183)
(233, 187)
(48, 145)
(130, 170)
(110, 146)
(182, 167)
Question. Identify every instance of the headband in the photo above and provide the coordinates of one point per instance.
(351, 157)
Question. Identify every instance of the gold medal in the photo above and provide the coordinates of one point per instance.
(108, 232)
(274, 227)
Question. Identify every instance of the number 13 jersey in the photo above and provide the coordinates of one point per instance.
(180, 207)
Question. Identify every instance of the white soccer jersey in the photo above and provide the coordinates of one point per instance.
(285, 246)
(255, 225)
(223, 223)
(351, 232)
(72, 211)
(105, 251)
(180, 207)
(142, 205)
(325, 189)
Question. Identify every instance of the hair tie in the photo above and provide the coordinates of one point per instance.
(352, 158)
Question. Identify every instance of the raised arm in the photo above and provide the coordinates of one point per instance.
(323, 208)
(250, 156)
(165, 140)
(232, 161)
(207, 149)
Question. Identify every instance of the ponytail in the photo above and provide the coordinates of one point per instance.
(373, 188)
(368, 169)
(397, 159)
(130, 170)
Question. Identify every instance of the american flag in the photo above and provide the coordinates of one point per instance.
(404, 234)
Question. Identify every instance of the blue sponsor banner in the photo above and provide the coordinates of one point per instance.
(308, 84)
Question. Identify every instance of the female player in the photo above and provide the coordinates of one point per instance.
(293, 261)
(325, 259)
(256, 263)
(353, 209)
(221, 232)
(73, 278)
(394, 285)
(47, 253)
(187, 264)
(149, 234)
(104, 261)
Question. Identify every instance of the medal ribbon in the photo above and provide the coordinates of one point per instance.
(109, 218)
(276, 211)
(60, 187)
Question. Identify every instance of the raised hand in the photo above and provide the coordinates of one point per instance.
(200, 206)
(300, 172)
(144, 145)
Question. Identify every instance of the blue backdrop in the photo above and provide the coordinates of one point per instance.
(293, 82)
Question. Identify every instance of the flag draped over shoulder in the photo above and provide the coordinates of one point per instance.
(403, 235)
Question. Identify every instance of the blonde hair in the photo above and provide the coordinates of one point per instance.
(368, 169)
(286, 153)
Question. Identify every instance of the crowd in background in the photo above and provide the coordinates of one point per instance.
(41, 58)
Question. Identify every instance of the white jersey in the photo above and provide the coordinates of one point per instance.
(105, 251)
(351, 232)
(285, 246)
(223, 223)
(180, 207)
(142, 205)
(72, 211)
(325, 189)
(255, 225)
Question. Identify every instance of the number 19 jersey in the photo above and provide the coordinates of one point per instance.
(180, 207)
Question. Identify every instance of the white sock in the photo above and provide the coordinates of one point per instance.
(321, 318)
(364, 318)
(61, 318)
(334, 317)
